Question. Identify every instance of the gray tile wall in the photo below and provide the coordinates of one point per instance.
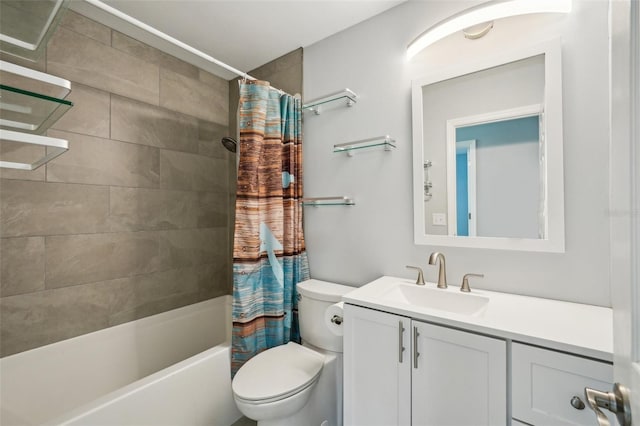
(134, 219)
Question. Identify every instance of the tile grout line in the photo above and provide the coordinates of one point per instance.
(132, 142)
(166, 230)
(69, 28)
(45, 263)
(198, 266)
(109, 219)
(103, 185)
(110, 115)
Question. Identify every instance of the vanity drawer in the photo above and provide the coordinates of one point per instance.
(543, 383)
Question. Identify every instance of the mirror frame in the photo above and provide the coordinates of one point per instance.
(552, 144)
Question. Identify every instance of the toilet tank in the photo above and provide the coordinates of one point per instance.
(314, 297)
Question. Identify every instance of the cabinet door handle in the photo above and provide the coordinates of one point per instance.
(416, 354)
(400, 340)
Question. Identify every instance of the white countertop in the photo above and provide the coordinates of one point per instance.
(570, 327)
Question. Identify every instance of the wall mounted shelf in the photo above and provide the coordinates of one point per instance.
(328, 201)
(34, 81)
(30, 102)
(26, 25)
(28, 111)
(386, 142)
(54, 146)
(346, 95)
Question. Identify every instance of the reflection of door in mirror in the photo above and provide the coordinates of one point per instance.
(498, 178)
(498, 100)
(466, 216)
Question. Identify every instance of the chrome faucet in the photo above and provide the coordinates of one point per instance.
(442, 271)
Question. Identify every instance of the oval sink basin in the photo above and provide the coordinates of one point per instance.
(435, 298)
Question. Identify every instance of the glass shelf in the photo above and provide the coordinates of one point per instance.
(328, 201)
(28, 111)
(54, 146)
(380, 141)
(34, 81)
(31, 101)
(346, 95)
(26, 25)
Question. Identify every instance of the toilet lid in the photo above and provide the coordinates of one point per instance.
(277, 373)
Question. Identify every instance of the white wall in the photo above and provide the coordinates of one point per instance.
(354, 245)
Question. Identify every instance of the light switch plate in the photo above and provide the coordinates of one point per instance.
(439, 219)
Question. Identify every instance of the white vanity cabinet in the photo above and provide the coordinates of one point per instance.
(482, 357)
(399, 371)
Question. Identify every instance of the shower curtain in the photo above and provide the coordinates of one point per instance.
(269, 256)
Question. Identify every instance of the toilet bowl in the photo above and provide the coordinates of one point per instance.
(292, 384)
(278, 382)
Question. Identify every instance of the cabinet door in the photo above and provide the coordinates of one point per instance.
(459, 378)
(377, 371)
(548, 386)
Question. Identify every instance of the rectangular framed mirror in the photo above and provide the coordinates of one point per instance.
(488, 153)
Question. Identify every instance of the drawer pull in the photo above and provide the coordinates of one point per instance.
(577, 403)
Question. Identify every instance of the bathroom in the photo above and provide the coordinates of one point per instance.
(136, 218)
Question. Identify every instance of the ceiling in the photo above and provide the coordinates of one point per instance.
(242, 33)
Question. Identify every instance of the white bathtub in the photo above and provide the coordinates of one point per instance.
(168, 369)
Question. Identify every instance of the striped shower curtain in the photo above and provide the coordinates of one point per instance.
(269, 256)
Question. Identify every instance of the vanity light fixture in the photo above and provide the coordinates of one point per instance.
(477, 31)
(484, 13)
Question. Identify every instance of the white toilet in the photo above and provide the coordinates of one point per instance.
(294, 385)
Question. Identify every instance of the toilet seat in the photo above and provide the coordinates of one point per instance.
(277, 373)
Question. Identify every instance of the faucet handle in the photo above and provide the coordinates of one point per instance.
(465, 282)
(420, 279)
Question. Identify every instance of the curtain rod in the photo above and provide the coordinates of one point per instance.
(166, 37)
(115, 12)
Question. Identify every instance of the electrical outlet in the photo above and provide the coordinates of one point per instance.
(439, 219)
